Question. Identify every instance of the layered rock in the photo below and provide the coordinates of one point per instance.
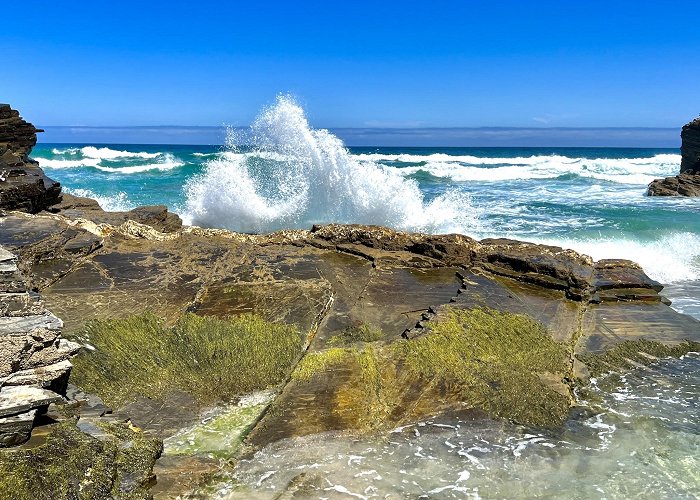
(34, 359)
(23, 185)
(687, 182)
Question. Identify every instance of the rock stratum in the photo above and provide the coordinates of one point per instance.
(23, 185)
(190, 332)
(687, 182)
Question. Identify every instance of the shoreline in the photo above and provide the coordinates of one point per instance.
(351, 328)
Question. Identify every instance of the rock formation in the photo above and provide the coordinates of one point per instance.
(687, 182)
(23, 185)
(34, 359)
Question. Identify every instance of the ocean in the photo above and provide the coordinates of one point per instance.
(283, 173)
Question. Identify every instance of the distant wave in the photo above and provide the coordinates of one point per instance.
(166, 161)
(56, 163)
(312, 178)
(103, 153)
(472, 168)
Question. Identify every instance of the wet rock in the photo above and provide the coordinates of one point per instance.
(156, 216)
(546, 266)
(619, 279)
(16, 429)
(23, 185)
(684, 184)
(687, 182)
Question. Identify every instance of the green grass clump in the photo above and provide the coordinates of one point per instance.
(492, 360)
(71, 464)
(210, 358)
(625, 355)
(316, 362)
(361, 332)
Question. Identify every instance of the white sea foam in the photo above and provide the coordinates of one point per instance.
(112, 203)
(55, 163)
(111, 154)
(168, 162)
(313, 179)
(471, 168)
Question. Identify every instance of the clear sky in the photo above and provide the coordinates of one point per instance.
(354, 63)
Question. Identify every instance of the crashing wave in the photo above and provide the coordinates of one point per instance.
(295, 176)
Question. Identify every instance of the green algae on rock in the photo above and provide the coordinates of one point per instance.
(212, 359)
(72, 464)
(499, 362)
(361, 332)
(631, 353)
(316, 362)
(220, 432)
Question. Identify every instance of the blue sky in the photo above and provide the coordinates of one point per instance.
(354, 64)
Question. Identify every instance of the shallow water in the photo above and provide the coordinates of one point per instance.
(643, 441)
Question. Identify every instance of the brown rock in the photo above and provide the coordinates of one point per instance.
(23, 185)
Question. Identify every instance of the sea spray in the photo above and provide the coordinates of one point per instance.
(293, 176)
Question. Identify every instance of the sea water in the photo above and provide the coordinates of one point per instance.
(283, 173)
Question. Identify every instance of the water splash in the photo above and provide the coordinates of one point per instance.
(295, 176)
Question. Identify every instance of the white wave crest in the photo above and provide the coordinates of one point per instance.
(168, 162)
(110, 154)
(55, 163)
(313, 179)
(111, 203)
(463, 168)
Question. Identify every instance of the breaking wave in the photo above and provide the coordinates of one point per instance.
(103, 153)
(164, 161)
(472, 168)
(294, 176)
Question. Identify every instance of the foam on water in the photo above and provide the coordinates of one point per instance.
(458, 168)
(114, 203)
(308, 176)
(641, 442)
(120, 162)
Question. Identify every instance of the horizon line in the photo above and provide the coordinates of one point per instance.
(496, 127)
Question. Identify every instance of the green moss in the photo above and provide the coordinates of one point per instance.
(493, 360)
(316, 362)
(372, 393)
(71, 464)
(361, 332)
(626, 354)
(210, 358)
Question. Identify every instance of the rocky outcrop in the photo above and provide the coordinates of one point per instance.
(687, 182)
(155, 216)
(23, 185)
(690, 147)
(34, 359)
